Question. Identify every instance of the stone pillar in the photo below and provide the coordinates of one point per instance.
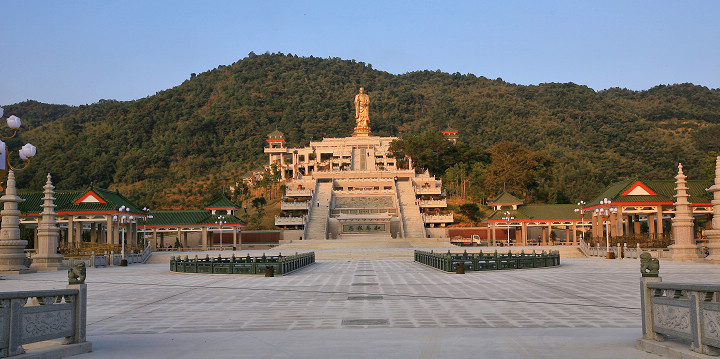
(234, 231)
(204, 238)
(636, 225)
(549, 234)
(108, 230)
(155, 243)
(660, 221)
(567, 234)
(78, 234)
(685, 248)
(595, 225)
(651, 225)
(613, 224)
(12, 248)
(524, 233)
(46, 258)
(629, 224)
(93, 232)
(71, 232)
(574, 234)
(713, 235)
(621, 222)
(116, 233)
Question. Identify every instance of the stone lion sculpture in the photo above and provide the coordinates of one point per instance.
(649, 266)
(76, 273)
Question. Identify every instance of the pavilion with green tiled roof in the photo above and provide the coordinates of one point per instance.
(222, 203)
(183, 222)
(92, 209)
(637, 201)
(95, 211)
(505, 199)
(648, 201)
(545, 216)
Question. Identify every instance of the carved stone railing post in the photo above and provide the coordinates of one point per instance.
(646, 295)
(80, 314)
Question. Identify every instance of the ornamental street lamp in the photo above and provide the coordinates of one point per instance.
(507, 220)
(605, 213)
(581, 209)
(123, 220)
(26, 153)
(145, 219)
(220, 222)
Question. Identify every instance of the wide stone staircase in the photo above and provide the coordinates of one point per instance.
(316, 228)
(359, 159)
(412, 221)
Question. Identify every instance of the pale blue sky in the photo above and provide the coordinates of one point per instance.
(77, 52)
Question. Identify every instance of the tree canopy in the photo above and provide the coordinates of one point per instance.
(178, 147)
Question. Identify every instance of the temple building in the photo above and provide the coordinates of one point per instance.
(89, 220)
(352, 186)
(536, 222)
(634, 207)
(649, 203)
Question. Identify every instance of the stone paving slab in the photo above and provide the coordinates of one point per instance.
(516, 307)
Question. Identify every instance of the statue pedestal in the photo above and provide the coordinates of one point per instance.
(361, 131)
(49, 263)
(684, 252)
(713, 236)
(12, 257)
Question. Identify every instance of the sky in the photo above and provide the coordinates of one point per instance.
(78, 52)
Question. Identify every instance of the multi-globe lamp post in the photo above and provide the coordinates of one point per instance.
(12, 248)
(123, 220)
(26, 152)
(221, 222)
(145, 220)
(581, 210)
(604, 213)
(508, 218)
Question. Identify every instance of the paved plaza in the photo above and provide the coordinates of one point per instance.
(586, 308)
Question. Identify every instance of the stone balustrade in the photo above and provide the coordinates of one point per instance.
(364, 211)
(109, 259)
(618, 251)
(428, 190)
(365, 191)
(287, 206)
(34, 316)
(298, 192)
(432, 203)
(680, 311)
(438, 218)
(290, 221)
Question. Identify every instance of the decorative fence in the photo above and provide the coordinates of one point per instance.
(620, 251)
(242, 265)
(39, 315)
(690, 312)
(111, 259)
(487, 261)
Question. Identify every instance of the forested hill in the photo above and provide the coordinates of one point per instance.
(176, 148)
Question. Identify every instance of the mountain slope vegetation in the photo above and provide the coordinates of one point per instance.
(179, 147)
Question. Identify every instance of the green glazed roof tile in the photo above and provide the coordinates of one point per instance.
(506, 198)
